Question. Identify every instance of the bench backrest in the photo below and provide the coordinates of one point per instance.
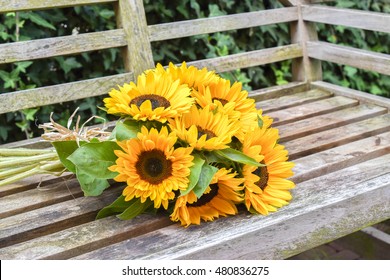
(134, 36)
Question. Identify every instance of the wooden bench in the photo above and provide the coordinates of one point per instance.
(339, 139)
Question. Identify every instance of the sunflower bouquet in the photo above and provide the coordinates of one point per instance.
(187, 142)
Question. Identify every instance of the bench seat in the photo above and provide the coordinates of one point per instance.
(338, 138)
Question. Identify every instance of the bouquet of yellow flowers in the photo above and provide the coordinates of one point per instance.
(187, 141)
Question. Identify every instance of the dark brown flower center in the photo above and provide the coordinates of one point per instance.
(155, 100)
(209, 133)
(223, 101)
(205, 198)
(153, 167)
(262, 172)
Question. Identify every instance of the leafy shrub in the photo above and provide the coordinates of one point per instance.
(60, 22)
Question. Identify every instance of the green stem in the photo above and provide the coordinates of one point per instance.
(21, 161)
(13, 171)
(24, 152)
(46, 168)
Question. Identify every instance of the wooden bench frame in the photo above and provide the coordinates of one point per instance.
(342, 168)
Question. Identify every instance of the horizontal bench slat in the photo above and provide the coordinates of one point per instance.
(37, 198)
(352, 93)
(187, 28)
(250, 59)
(83, 238)
(307, 222)
(362, 59)
(23, 5)
(14, 101)
(311, 109)
(280, 90)
(331, 138)
(347, 17)
(341, 157)
(54, 218)
(327, 121)
(64, 45)
(291, 100)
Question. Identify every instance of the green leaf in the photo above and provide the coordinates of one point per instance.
(106, 14)
(64, 150)
(206, 175)
(22, 66)
(91, 185)
(194, 175)
(126, 130)
(135, 209)
(237, 156)
(95, 158)
(260, 122)
(118, 206)
(37, 19)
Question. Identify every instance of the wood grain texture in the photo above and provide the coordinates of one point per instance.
(312, 109)
(73, 44)
(352, 18)
(348, 92)
(328, 121)
(277, 91)
(13, 101)
(367, 60)
(331, 138)
(341, 157)
(305, 68)
(39, 197)
(24, 5)
(138, 53)
(296, 99)
(249, 59)
(54, 218)
(83, 238)
(167, 31)
(323, 209)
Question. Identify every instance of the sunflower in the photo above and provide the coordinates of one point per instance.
(204, 129)
(152, 167)
(219, 199)
(154, 97)
(221, 92)
(266, 187)
(192, 76)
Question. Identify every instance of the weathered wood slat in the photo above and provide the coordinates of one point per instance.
(348, 92)
(277, 91)
(249, 59)
(286, 101)
(23, 5)
(138, 53)
(83, 238)
(53, 218)
(14, 101)
(73, 44)
(36, 198)
(311, 109)
(32, 183)
(317, 214)
(341, 157)
(327, 121)
(347, 17)
(368, 60)
(331, 138)
(187, 28)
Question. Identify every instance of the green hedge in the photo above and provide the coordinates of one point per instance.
(59, 22)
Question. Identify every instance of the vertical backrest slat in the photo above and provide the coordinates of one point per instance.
(304, 68)
(138, 53)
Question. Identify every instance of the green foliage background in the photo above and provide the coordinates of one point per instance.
(60, 22)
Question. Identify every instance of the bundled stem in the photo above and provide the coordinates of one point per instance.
(17, 164)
